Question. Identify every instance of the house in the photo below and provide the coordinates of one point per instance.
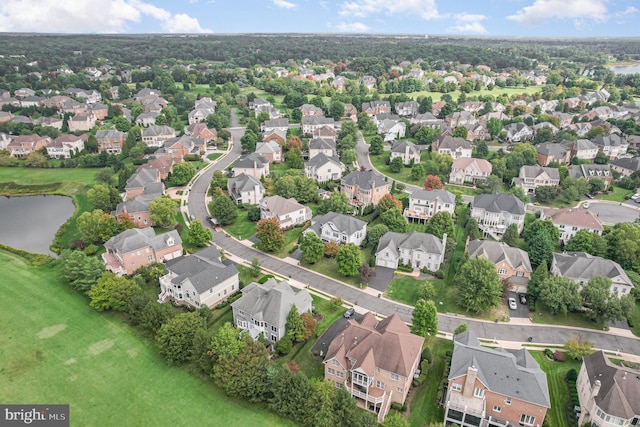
(414, 249)
(245, 189)
(54, 122)
(460, 118)
(494, 387)
(551, 152)
(157, 135)
(311, 110)
(423, 204)
(200, 114)
(90, 96)
(454, 147)
(100, 111)
(200, 279)
(23, 145)
(466, 169)
(24, 92)
(139, 180)
(626, 165)
(338, 83)
(590, 172)
(325, 132)
(477, 131)
(495, 212)
(5, 116)
(311, 123)
(407, 109)
(147, 118)
(288, 211)
(570, 220)
(179, 147)
(271, 150)
(500, 115)
(532, 177)
(364, 188)
(252, 164)
(581, 148)
(427, 119)
(275, 135)
(339, 228)
(518, 132)
(407, 151)
(582, 267)
(82, 122)
(137, 207)
(201, 131)
(164, 165)
(612, 145)
(512, 264)
(351, 112)
(374, 360)
(376, 107)
(609, 393)
(137, 247)
(269, 126)
(323, 168)
(263, 308)
(324, 146)
(391, 129)
(65, 146)
(110, 140)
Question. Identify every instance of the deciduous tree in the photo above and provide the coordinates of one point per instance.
(80, 270)
(560, 294)
(577, 349)
(312, 248)
(377, 145)
(374, 233)
(337, 202)
(163, 211)
(199, 235)
(389, 201)
(396, 164)
(112, 292)
(439, 224)
(348, 259)
(175, 338)
(510, 236)
(425, 318)
(295, 327)
(182, 173)
(433, 182)
(224, 210)
(394, 219)
(270, 234)
(602, 304)
(479, 285)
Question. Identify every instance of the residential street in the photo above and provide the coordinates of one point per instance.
(519, 332)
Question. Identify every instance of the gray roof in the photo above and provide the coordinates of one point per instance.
(583, 266)
(276, 123)
(364, 179)
(535, 171)
(250, 161)
(590, 171)
(443, 196)
(498, 251)
(452, 143)
(414, 240)
(317, 120)
(143, 177)
(578, 145)
(136, 205)
(551, 149)
(203, 269)
(341, 222)
(271, 302)
(322, 144)
(158, 130)
(513, 373)
(631, 163)
(138, 238)
(619, 393)
(270, 147)
(400, 147)
(241, 183)
(321, 158)
(499, 202)
(109, 133)
(612, 140)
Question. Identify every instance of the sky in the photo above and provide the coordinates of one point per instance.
(547, 18)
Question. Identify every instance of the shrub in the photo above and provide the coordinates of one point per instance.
(396, 406)
(264, 278)
(405, 268)
(424, 366)
(572, 375)
(91, 250)
(283, 346)
(293, 249)
(426, 355)
(548, 353)
(439, 274)
(448, 353)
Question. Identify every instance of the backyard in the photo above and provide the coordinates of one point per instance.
(55, 348)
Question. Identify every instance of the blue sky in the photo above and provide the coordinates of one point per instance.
(579, 18)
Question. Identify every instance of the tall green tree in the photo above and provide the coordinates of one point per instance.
(295, 327)
(439, 224)
(396, 165)
(425, 318)
(560, 294)
(224, 210)
(348, 259)
(602, 304)
(394, 219)
(479, 285)
(80, 270)
(377, 145)
(337, 202)
(112, 292)
(270, 234)
(182, 173)
(163, 211)
(375, 233)
(199, 235)
(176, 337)
(538, 277)
(104, 197)
(312, 248)
(510, 236)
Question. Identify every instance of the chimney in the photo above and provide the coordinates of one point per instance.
(470, 381)
(595, 389)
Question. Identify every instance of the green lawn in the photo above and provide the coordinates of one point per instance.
(558, 391)
(424, 407)
(635, 320)
(543, 315)
(328, 267)
(214, 156)
(38, 181)
(241, 227)
(290, 240)
(54, 348)
(403, 176)
(617, 194)
(497, 91)
(468, 191)
(405, 289)
(323, 306)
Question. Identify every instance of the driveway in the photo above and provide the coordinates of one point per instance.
(321, 346)
(381, 280)
(522, 311)
(613, 213)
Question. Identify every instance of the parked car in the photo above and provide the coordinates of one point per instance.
(523, 298)
(589, 196)
(585, 205)
(349, 313)
(513, 305)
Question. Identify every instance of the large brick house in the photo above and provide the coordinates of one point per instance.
(494, 387)
(110, 140)
(364, 188)
(137, 247)
(374, 360)
(512, 264)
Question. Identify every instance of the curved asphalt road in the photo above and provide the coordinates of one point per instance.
(447, 323)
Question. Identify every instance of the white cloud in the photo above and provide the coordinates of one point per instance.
(351, 27)
(88, 16)
(620, 16)
(285, 4)
(426, 9)
(577, 10)
(467, 23)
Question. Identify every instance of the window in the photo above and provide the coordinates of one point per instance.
(334, 362)
(456, 387)
(274, 338)
(400, 390)
(379, 384)
(150, 258)
(339, 374)
(527, 419)
(478, 392)
(394, 377)
(519, 274)
(331, 371)
(497, 409)
(502, 271)
(508, 401)
(133, 262)
(273, 328)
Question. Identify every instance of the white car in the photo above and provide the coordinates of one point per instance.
(513, 305)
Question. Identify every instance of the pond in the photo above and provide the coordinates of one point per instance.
(626, 69)
(30, 223)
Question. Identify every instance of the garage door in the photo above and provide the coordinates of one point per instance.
(386, 263)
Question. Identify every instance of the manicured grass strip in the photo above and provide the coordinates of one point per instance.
(213, 156)
(616, 194)
(290, 240)
(242, 228)
(54, 348)
(558, 391)
(543, 315)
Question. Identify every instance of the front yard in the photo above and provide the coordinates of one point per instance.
(543, 315)
(241, 228)
(328, 267)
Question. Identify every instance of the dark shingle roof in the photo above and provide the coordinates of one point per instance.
(364, 179)
(499, 202)
(203, 269)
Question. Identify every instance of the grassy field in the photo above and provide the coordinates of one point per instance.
(241, 227)
(617, 194)
(635, 320)
(55, 349)
(403, 176)
(290, 240)
(60, 181)
(558, 391)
